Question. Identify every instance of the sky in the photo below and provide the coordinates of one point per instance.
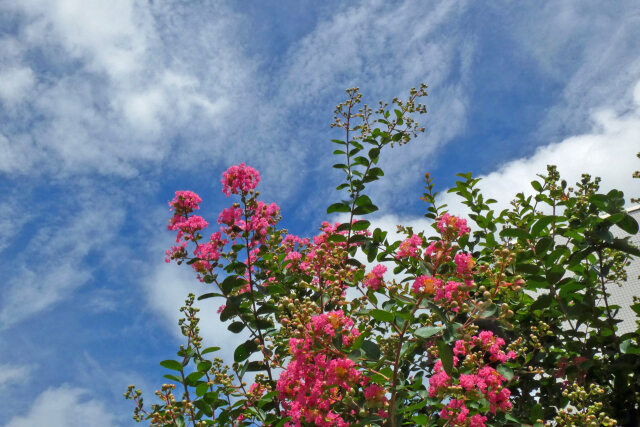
(108, 108)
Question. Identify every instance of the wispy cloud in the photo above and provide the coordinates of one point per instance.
(12, 374)
(53, 263)
(607, 150)
(386, 49)
(111, 92)
(65, 406)
(166, 287)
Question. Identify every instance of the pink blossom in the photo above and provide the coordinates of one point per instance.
(176, 252)
(425, 285)
(230, 216)
(294, 257)
(185, 202)
(478, 421)
(452, 226)
(409, 247)
(187, 225)
(314, 380)
(438, 252)
(464, 263)
(239, 179)
(375, 395)
(374, 279)
(459, 348)
(455, 411)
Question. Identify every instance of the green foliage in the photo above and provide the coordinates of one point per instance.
(540, 279)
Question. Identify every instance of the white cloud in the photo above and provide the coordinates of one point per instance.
(14, 374)
(122, 82)
(588, 49)
(15, 82)
(385, 49)
(53, 263)
(166, 288)
(65, 406)
(110, 36)
(608, 150)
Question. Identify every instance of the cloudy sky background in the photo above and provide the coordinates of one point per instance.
(108, 107)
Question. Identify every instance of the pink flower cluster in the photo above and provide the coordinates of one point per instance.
(451, 292)
(486, 382)
(457, 413)
(446, 294)
(185, 202)
(426, 285)
(493, 344)
(239, 179)
(315, 379)
(451, 226)
(186, 225)
(439, 252)
(262, 216)
(374, 279)
(409, 247)
(208, 252)
(464, 263)
(318, 254)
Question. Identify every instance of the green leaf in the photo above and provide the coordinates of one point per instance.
(536, 185)
(358, 238)
(381, 315)
(338, 207)
(364, 205)
(179, 421)
(515, 232)
(627, 347)
(354, 262)
(172, 364)
(541, 224)
(230, 283)
(209, 295)
(527, 268)
(244, 350)
(628, 224)
(543, 245)
(555, 274)
(446, 356)
(209, 350)
(506, 371)
(623, 245)
(337, 238)
(236, 327)
(371, 349)
(173, 378)
(193, 378)
(420, 420)
(373, 175)
(203, 406)
(204, 366)
(360, 225)
(364, 210)
(427, 331)
(536, 413)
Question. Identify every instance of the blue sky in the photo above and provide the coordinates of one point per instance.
(107, 108)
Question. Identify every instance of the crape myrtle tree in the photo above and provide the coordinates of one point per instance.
(500, 320)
